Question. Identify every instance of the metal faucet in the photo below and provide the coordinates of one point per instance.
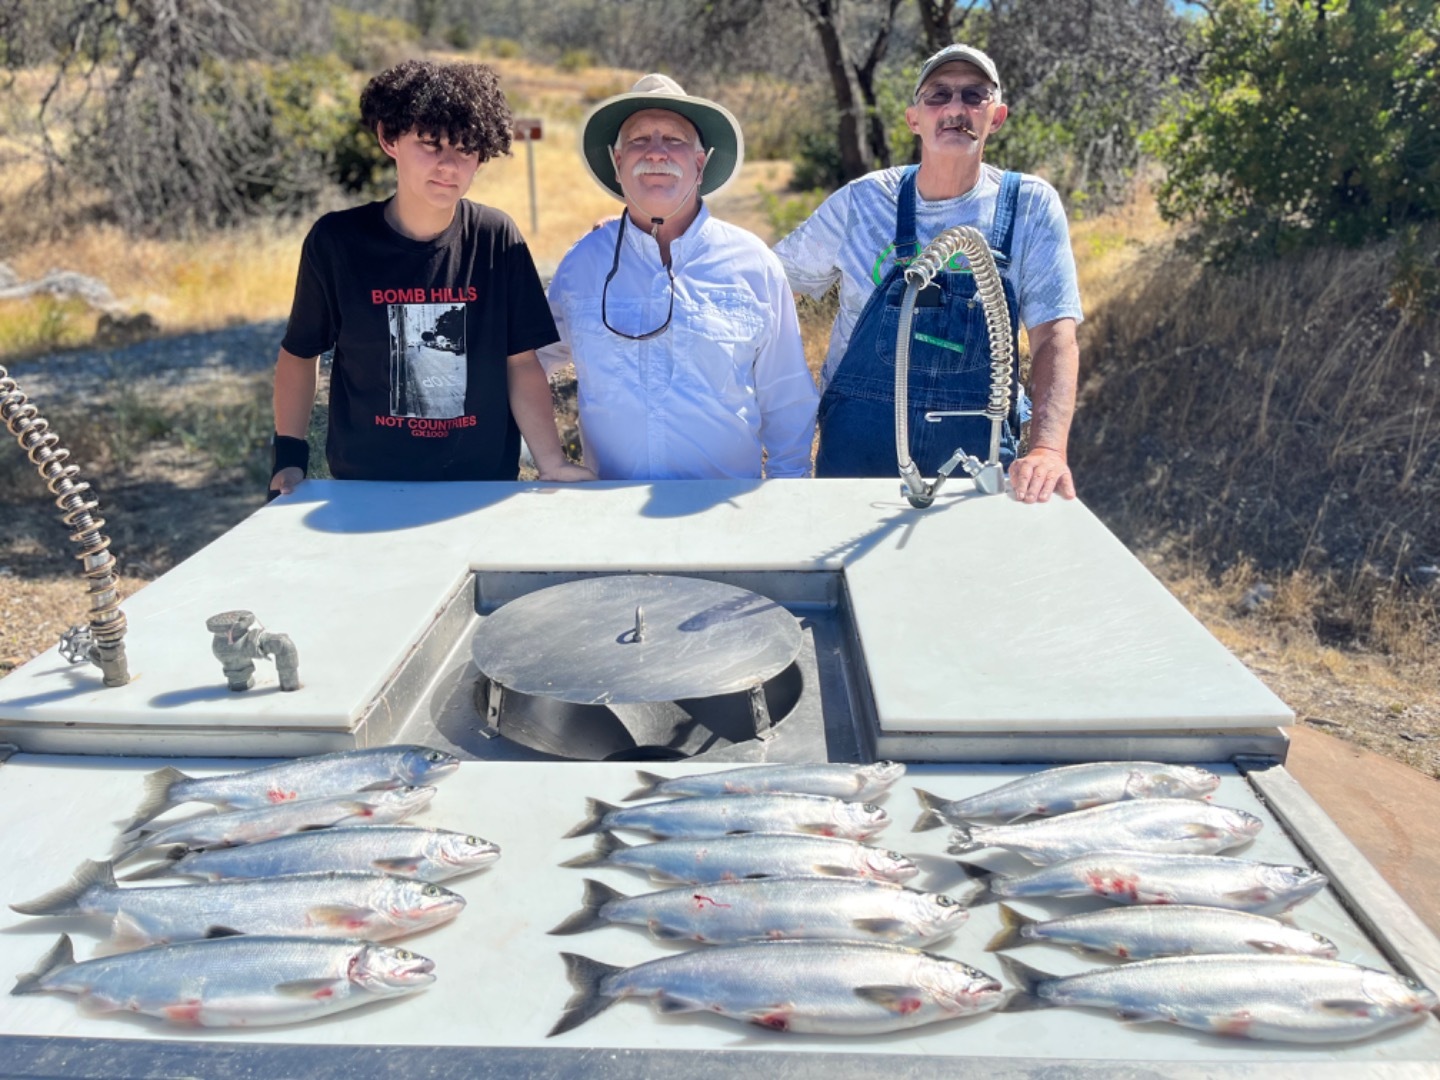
(240, 640)
(989, 476)
(102, 643)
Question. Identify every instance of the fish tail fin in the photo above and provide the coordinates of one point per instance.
(157, 800)
(66, 900)
(1029, 979)
(595, 814)
(931, 818)
(606, 844)
(982, 881)
(164, 868)
(649, 782)
(962, 840)
(1012, 926)
(589, 999)
(590, 915)
(61, 955)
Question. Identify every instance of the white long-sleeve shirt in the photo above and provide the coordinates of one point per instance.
(701, 400)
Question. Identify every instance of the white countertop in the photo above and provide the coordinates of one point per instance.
(499, 977)
(977, 614)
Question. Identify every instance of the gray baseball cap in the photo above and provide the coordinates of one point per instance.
(968, 53)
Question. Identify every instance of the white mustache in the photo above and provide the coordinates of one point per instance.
(663, 168)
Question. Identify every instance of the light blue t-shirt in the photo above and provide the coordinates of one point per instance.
(850, 238)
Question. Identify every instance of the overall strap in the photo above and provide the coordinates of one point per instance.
(905, 212)
(1002, 234)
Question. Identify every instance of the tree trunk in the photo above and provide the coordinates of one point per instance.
(855, 151)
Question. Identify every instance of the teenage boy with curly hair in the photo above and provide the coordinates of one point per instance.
(431, 303)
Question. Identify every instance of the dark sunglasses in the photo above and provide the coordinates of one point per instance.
(972, 96)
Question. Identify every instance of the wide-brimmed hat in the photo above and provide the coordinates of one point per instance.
(951, 53)
(718, 128)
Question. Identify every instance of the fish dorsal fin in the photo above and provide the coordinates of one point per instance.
(127, 933)
(213, 932)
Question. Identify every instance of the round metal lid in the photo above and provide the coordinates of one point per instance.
(578, 642)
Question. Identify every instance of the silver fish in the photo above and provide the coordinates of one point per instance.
(828, 988)
(1177, 826)
(374, 906)
(1283, 998)
(840, 781)
(1070, 787)
(720, 815)
(750, 855)
(403, 850)
(775, 909)
(1136, 877)
(1143, 933)
(371, 769)
(249, 981)
(247, 826)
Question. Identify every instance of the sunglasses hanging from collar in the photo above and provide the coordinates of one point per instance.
(605, 291)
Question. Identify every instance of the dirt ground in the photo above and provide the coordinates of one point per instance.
(167, 502)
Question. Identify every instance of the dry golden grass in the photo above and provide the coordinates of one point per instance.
(249, 274)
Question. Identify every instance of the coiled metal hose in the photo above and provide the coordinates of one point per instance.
(970, 242)
(105, 646)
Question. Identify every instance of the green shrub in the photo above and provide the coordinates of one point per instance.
(786, 215)
(573, 60)
(1313, 123)
(369, 42)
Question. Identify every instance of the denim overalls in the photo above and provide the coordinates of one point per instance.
(949, 362)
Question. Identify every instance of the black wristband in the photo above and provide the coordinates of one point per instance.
(291, 452)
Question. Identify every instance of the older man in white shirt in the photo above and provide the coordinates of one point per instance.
(681, 327)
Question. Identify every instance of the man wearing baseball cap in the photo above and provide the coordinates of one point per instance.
(682, 328)
(865, 234)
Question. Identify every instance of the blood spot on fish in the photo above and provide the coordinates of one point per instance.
(1122, 952)
(908, 1005)
(774, 1021)
(325, 994)
(186, 1012)
(276, 796)
(701, 901)
(1239, 1024)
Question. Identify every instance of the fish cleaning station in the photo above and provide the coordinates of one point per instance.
(559, 638)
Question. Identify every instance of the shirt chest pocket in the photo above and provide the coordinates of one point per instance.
(719, 334)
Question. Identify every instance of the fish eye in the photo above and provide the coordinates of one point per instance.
(946, 901)
(894, 855)
(431, 890)
(434, 755)
(473, 841)
(401, 954)
(1321, 938)
(870, 808)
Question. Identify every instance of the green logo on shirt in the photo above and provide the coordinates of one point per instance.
(957, 262)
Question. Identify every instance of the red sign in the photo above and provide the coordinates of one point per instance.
(528, 129)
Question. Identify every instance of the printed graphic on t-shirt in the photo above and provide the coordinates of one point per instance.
(427, 360)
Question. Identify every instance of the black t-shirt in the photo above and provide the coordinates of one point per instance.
(421, 331)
